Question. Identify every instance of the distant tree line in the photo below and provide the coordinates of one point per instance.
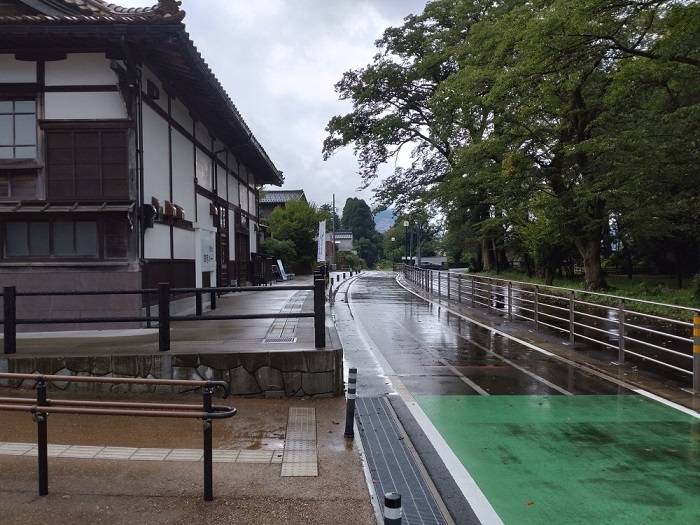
(550, 133)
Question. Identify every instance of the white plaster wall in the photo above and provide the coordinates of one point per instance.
(162, 100)
(253, 237)
(183, 174)
(155, 157)
(80, 69)
(157, 242)
(202, 135)
(243, 196)
(234, 192)
(252, 208)
(181, 115)
(204, 218)
(71, 106)
(184, 246)
(13, 71)
(221, 177)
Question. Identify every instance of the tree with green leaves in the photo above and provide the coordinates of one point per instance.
(532, 124)
(297, 223)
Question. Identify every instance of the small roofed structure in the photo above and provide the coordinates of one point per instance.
(271, 199)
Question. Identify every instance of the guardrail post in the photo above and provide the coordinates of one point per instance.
(621, 332)
(42, 439)
(696, 353)
(488, 294)
(9, 299)
(572, 316)
(536, 313)
(459, 288)
(472, 291)
(350, 406)
(207, 408)
(510, 300)
(164, 317)
(320, 313)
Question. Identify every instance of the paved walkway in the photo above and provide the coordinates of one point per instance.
(277, 461)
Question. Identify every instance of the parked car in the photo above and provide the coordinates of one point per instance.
(427, 265)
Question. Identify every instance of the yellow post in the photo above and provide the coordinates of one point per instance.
(696, 353)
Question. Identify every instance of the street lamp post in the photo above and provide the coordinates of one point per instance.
(405, 225)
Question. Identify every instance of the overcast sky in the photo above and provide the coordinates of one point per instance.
(278, 60)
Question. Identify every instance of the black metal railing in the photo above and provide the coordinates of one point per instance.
(42, 406)
(164, 318)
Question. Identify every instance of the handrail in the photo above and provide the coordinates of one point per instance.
(42, 406)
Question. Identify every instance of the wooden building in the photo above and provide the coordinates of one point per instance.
(123, 162)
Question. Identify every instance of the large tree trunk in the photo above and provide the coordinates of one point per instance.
(589, 247)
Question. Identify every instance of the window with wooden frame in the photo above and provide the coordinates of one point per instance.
(66, 238)
(18, 149)
(87, 164)
(17, 129)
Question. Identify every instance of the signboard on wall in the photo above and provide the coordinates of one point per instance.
(208, 251)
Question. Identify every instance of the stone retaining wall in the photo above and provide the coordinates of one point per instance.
(271, 374)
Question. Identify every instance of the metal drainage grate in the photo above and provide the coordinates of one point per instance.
(273, 340)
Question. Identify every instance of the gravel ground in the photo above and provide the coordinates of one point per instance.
(91, 491)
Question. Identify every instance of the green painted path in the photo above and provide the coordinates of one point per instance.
(550, 460)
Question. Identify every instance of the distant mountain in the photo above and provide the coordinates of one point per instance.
(384, 220)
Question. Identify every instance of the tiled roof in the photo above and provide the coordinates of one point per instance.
(342, 234)
(280, 196)
(47, 11)
(154, 35)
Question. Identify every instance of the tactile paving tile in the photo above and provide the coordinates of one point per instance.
(300, 453)
(266, 456)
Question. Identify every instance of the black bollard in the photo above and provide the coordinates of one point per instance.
(392, 508)
(350, 407)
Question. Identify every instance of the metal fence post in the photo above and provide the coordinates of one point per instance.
(572, 316)
(510, 300)
(488, 294)
(9, 299)
(459, 288)
(536, 313)
(472, 291)
(448, 285)
(696, 353)
(207, 458)
(198, 302)
(42, 439)
(621, 332)
(164, 317)
(320, 313)
(212, 300)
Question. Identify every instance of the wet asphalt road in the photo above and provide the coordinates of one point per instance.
(434, 352)
(526, 437)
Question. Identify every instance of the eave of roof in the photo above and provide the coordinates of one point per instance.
(157, 37)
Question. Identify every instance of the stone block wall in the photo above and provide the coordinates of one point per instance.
(271, 374)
